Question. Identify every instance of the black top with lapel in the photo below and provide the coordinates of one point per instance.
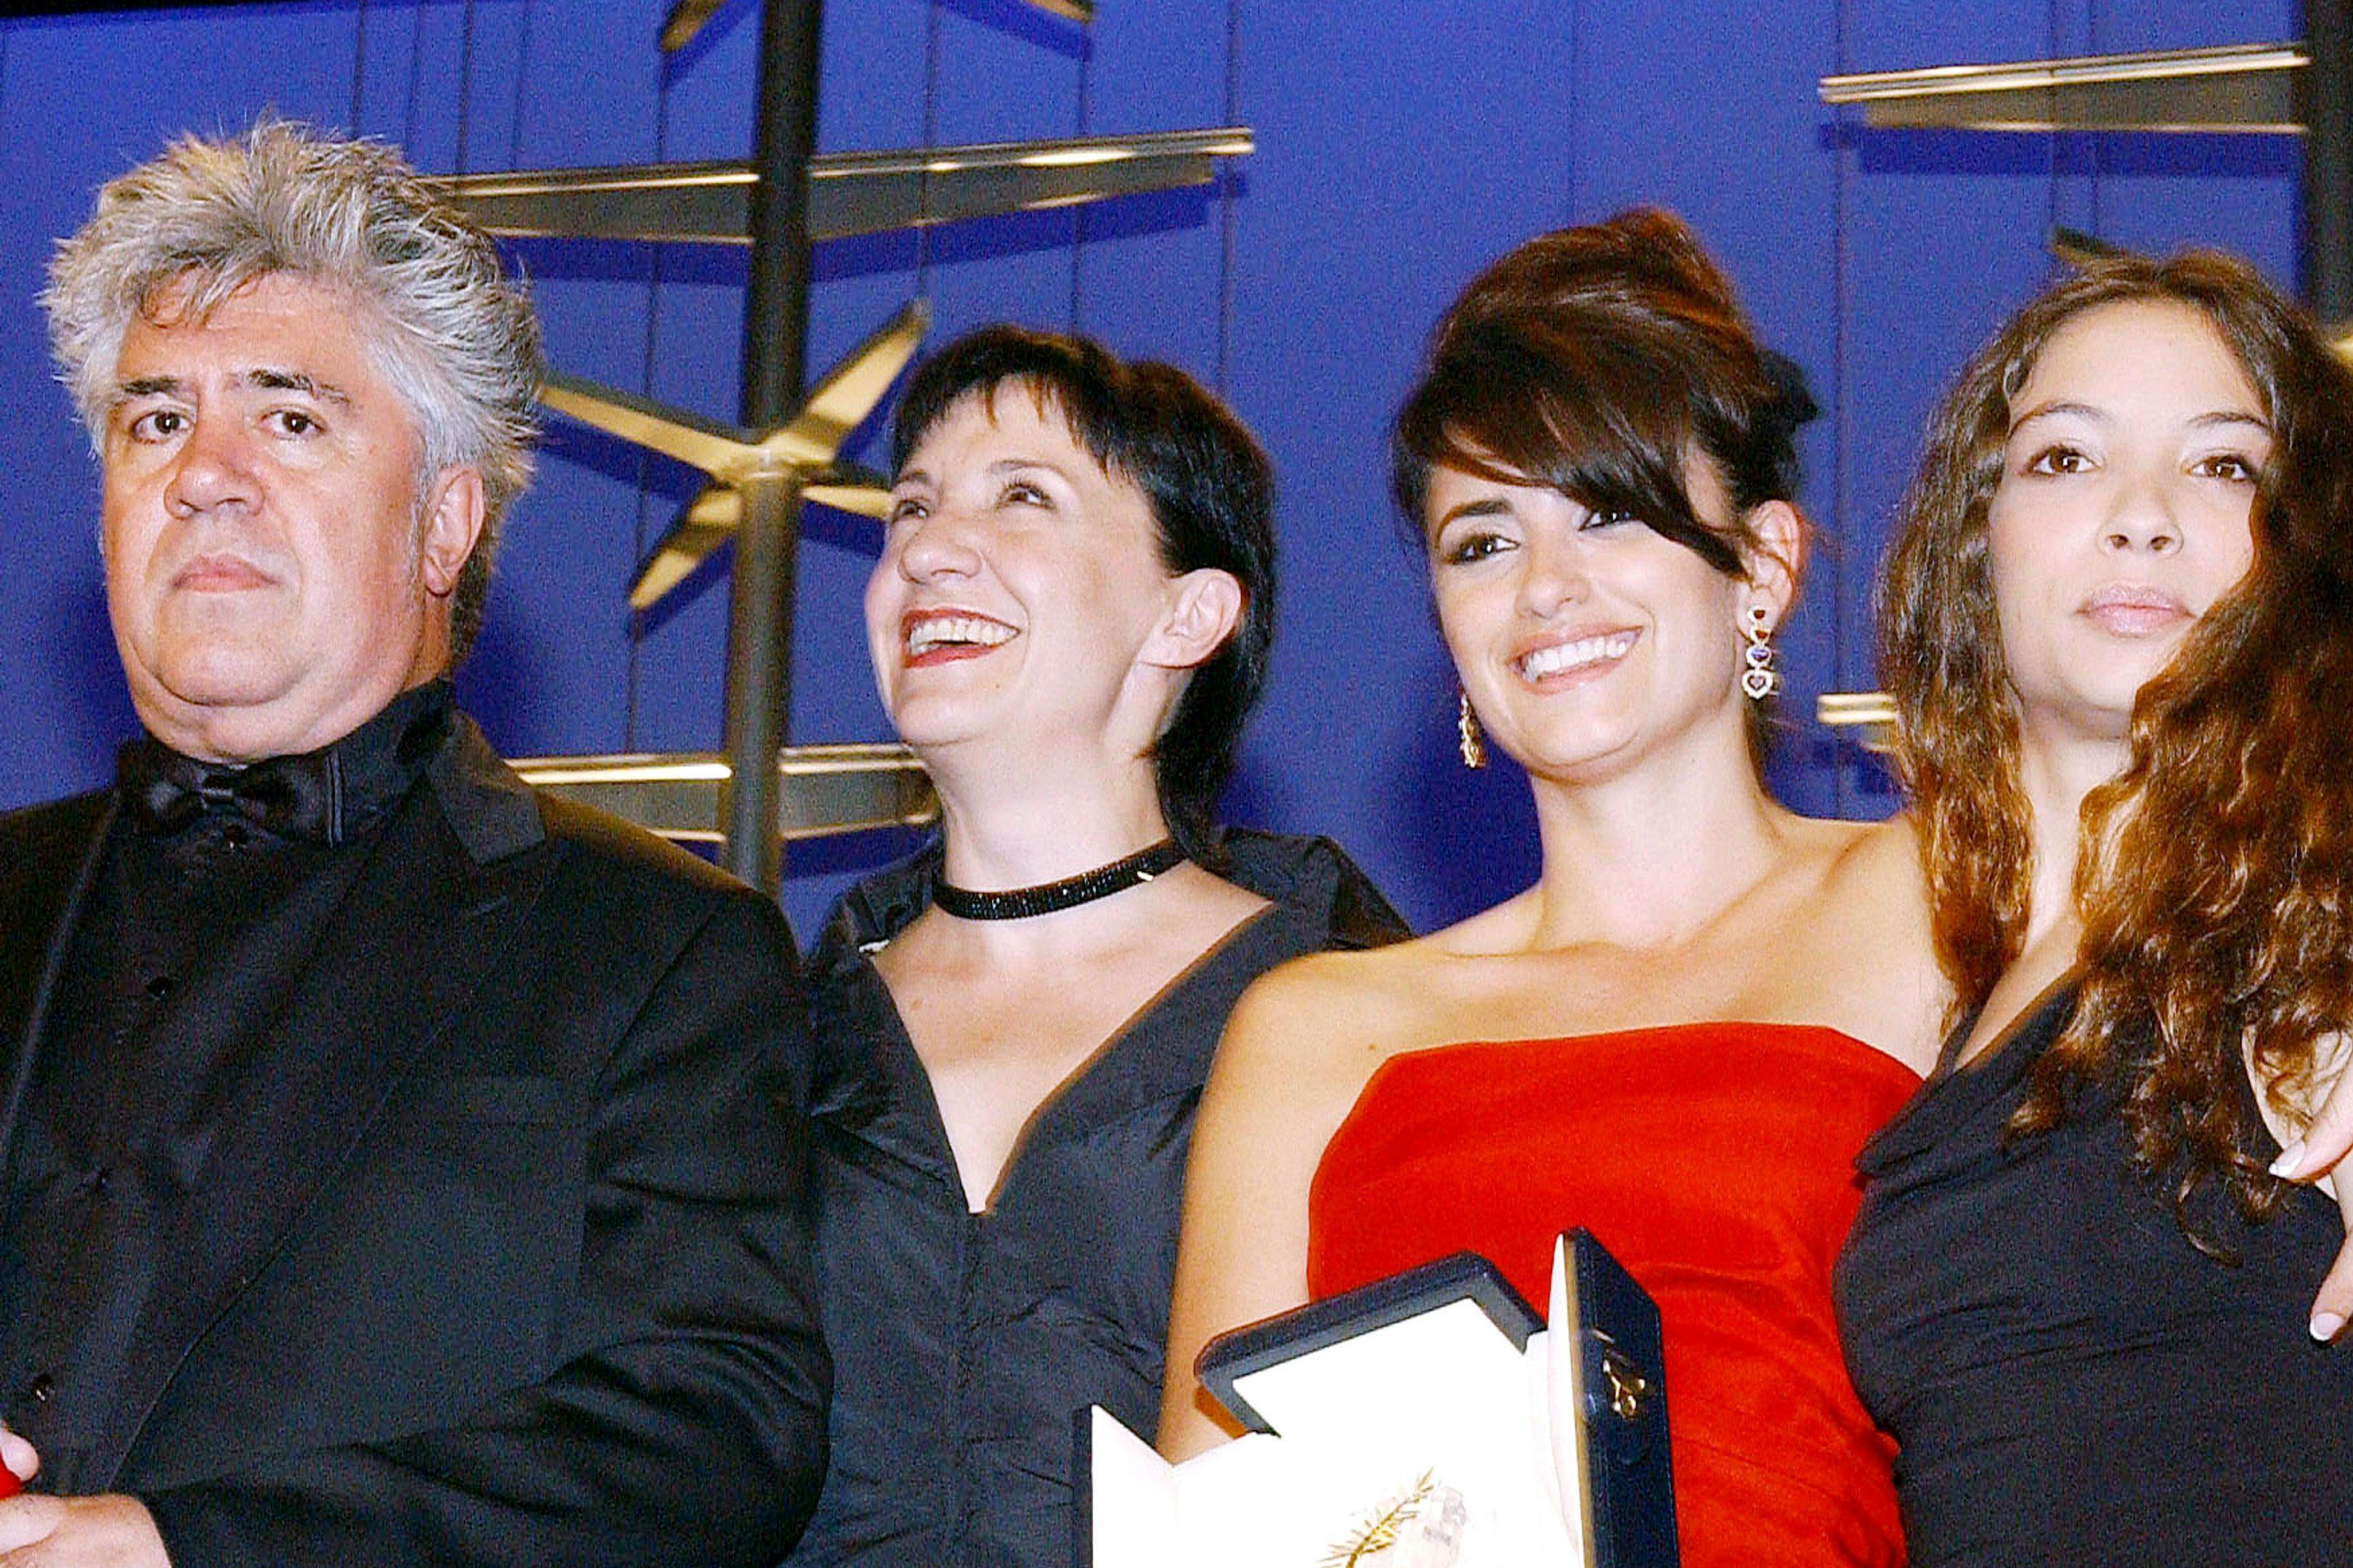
(503, 1260)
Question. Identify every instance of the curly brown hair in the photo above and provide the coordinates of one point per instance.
(2215, 879)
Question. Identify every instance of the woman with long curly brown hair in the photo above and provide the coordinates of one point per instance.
(2118, 627)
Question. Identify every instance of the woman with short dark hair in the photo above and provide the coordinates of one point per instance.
(1069, 624)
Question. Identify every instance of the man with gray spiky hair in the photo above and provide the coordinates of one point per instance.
(395, 1167)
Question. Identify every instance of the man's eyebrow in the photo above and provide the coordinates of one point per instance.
(297, 381)
(269, 380)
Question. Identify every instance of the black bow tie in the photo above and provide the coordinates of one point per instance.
(292, 797)
(322, 796)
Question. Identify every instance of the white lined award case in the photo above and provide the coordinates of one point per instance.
(1423, 1421)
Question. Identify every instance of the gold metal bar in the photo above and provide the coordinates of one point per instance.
(823, 789)
(2244, 88)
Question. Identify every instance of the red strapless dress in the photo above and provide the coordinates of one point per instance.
(1715, 1162)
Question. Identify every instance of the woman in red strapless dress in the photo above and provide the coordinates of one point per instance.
(1714, 1161)
(1706, 1004)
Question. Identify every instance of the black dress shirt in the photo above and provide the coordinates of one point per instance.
(199, 922)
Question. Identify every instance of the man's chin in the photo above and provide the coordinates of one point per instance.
(222, 715)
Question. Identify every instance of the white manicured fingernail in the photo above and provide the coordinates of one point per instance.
(2325, 1326)
(2290, 1158)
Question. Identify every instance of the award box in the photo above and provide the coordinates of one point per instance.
(1429, 1420)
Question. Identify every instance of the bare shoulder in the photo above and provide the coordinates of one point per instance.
(1329, 1007)
(1867, 868)
(1376, 975)
(1309, 1034)
(1867, 939)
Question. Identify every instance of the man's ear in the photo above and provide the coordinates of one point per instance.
(1775, 559)
(1203, 607)
(452, 527)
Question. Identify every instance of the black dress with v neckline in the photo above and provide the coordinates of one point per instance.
(966, 1344)
(2069, 1377)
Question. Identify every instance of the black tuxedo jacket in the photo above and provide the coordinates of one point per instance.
(506, 1263)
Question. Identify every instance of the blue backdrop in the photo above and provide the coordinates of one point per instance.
(1400, 146)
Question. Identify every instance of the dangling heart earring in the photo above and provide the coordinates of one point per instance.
(1761, 679)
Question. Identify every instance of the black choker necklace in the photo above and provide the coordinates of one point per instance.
(1019, 903)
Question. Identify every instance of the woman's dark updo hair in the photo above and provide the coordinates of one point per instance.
(1594, 360)
(1211, 490)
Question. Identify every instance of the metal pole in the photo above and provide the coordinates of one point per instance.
(2326, 92)
(776, 341)
(776, 308)
(759, 674)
